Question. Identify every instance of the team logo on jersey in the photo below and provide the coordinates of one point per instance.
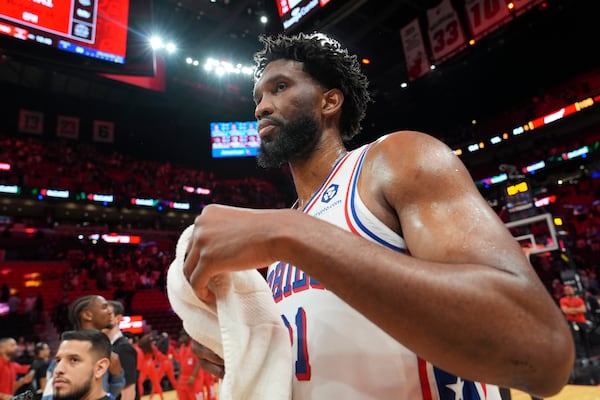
(452, 387)
(329, 193)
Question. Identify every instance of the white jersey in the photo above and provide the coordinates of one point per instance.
(338, 353)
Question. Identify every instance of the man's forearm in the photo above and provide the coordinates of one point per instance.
(128, 392)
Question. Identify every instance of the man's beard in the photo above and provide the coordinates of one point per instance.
(294, 139)
(78, 393)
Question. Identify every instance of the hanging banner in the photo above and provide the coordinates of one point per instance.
(104, 132)
(31, 121)
(417, 61)
(484, 16)
(67, 127)
(446, 35)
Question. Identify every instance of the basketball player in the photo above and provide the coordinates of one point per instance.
(394, 277)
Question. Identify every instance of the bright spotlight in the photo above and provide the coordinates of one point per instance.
(156, 42)
(171, 48)
(264, 20)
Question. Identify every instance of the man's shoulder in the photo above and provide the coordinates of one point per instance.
(121, 340)
(409, 142)
(408, 152)
(39, 363)
(122, 344)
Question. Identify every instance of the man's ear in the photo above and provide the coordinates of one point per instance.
(101, 367)
(86, 315)
(332, 101)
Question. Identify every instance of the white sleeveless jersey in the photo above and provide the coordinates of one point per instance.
(338, 353)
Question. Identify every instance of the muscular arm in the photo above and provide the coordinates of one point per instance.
(486, 317)
(481, 291)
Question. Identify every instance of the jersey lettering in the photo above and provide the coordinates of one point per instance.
(285, 279)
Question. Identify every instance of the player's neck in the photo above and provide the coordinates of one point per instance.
(310, 173)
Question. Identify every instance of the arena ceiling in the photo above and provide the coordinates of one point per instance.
(547, 45)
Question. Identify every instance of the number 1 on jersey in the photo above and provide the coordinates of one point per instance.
(302, 360)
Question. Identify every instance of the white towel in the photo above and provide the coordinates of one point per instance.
(244, 328)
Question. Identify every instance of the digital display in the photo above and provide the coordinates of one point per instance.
(292, 12)
(132, 323)
(91, 28)
(518, 197)
(234, 139)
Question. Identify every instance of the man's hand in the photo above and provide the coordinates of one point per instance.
(228, 239)
(209, 360)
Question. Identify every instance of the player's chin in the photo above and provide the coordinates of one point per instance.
(60, 389)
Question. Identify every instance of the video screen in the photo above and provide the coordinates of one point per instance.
(293, 12)
(96, 29)
(234, 139)
(132, 323)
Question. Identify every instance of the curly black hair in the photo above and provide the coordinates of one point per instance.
(324, 59)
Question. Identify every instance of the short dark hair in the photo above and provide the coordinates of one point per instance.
(117, 306)
(329, 64)
(101, 346)
(39, 346)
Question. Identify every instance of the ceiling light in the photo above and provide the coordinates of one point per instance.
(156, 42)
(171, 48)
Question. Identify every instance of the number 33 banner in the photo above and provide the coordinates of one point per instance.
(446, 35)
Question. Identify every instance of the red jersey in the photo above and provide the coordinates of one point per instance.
(187, 361)
(573, 302)
(8, 375)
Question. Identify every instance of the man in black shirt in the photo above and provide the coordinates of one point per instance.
(126, 352)
(40, 366)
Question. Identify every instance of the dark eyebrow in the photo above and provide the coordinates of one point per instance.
(270, 80)
(68, 355)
